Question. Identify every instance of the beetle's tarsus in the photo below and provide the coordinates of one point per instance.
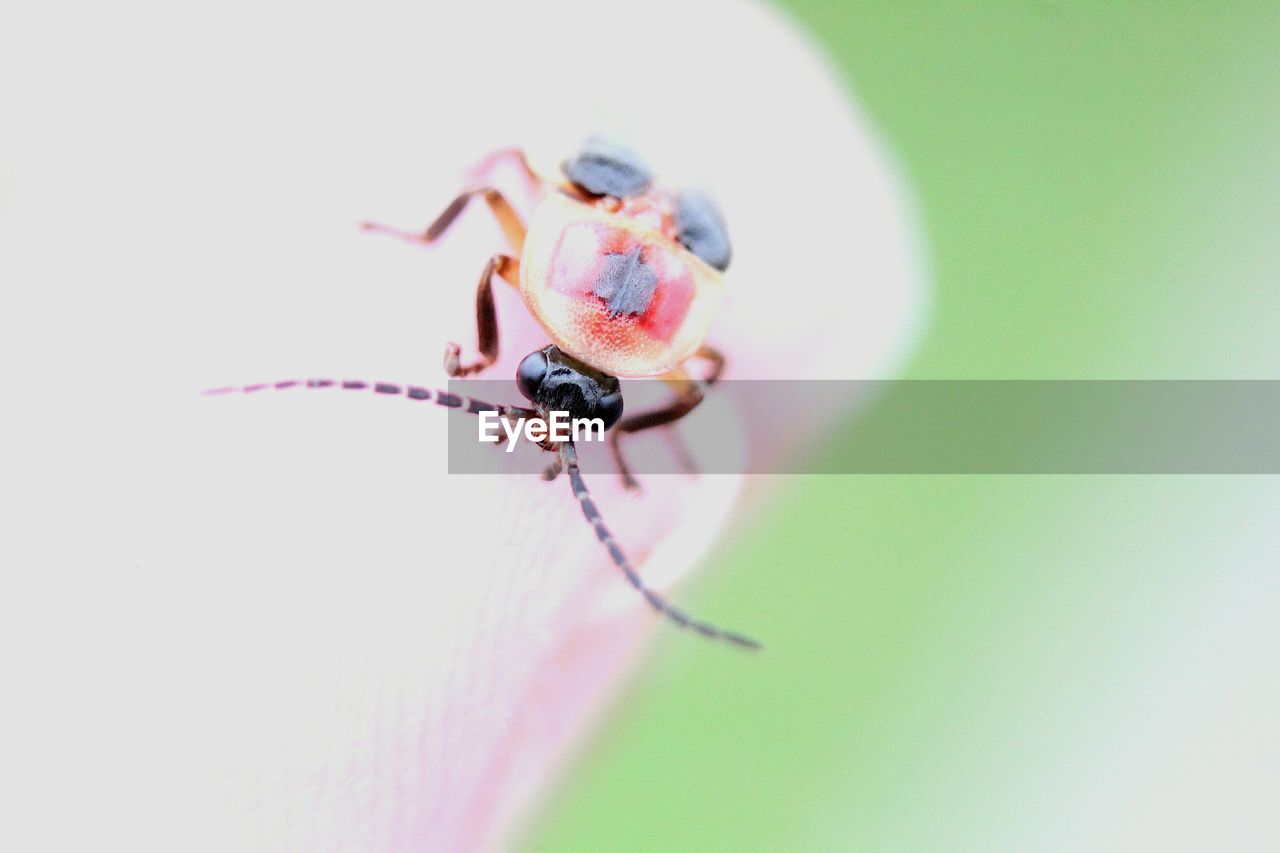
(452, 356)
(453, 365)
(380, 228)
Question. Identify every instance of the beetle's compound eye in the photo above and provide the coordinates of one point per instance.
(530, 373)
(700, 228)
(609, 409)
(606, 168)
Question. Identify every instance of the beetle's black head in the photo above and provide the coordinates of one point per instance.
(555, 382)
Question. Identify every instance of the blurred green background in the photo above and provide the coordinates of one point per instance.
(1008, 663)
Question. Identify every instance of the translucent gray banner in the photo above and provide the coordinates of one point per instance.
(921, 427)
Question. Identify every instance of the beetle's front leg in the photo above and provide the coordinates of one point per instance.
(486, 319)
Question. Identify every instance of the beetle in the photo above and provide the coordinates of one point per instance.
(625, 278)
(623, 274)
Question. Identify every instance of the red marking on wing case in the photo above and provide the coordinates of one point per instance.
(576, 265)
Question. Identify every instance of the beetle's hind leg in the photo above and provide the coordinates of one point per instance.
(483, 171)
(506, 215)
(689, 393)
(486, 319)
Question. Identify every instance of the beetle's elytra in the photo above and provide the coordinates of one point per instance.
(615, 289)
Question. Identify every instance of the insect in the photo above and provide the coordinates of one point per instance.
(623, 275)
(625, 278)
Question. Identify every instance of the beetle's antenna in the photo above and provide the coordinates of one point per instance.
(409, 392)
(569, 454)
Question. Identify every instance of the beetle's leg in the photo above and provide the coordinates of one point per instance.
(486, 319)
(502, 211)
(686, 400)
(715, 358)
(483, 171)
(689, 393)
(679, 449)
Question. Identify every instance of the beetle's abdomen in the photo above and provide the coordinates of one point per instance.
(615, 292)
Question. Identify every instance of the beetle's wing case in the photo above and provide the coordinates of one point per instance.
(615, 292)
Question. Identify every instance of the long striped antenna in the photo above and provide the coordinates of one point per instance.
(569, 455)
(409, 392)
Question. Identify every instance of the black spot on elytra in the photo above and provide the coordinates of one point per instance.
(626, 283)
(605, 168)
(700, 228)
